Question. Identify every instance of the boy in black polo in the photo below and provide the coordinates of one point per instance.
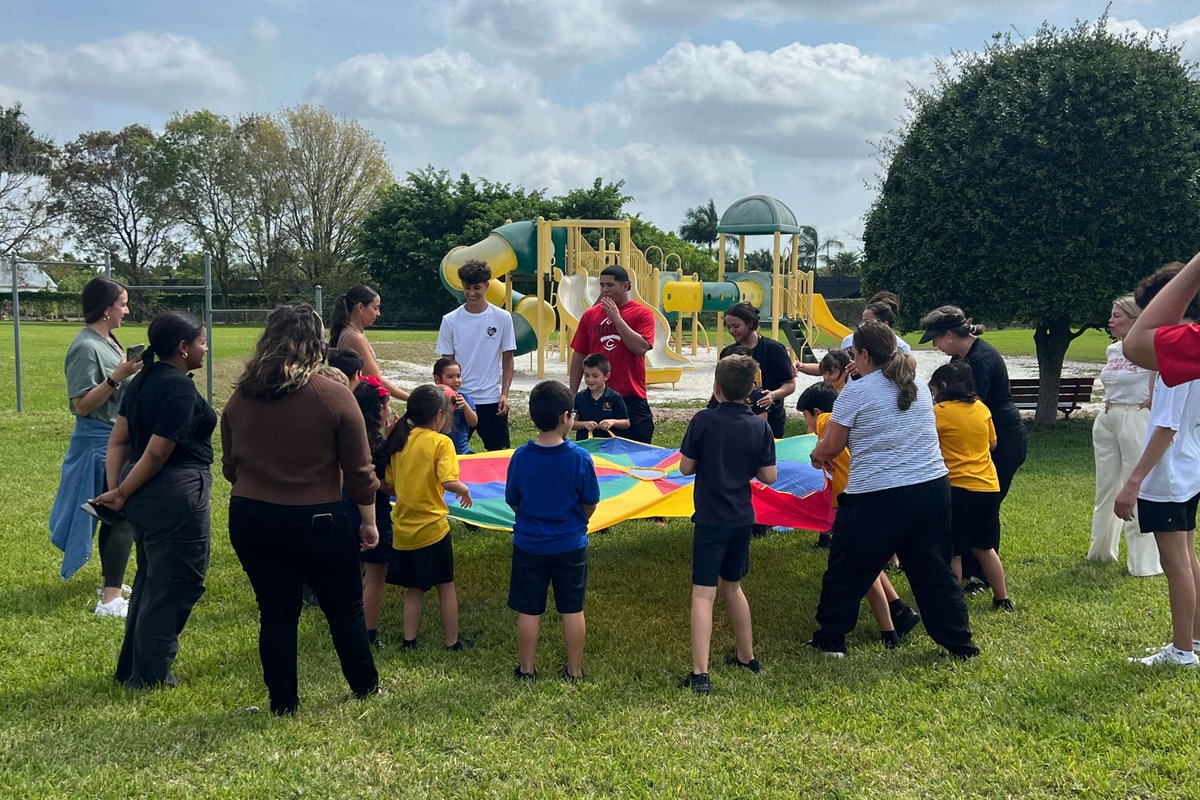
(598, 409)
(552, 488)
(724, 447)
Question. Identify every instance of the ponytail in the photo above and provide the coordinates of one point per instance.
(901, 369)
(424, 404)
(166, 331)
(340, 317)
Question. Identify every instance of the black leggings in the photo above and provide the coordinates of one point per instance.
(115, 544)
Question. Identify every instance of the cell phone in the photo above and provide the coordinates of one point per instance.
(321, 520)
(134, 352)
(102, 513)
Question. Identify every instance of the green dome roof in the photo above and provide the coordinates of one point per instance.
(758, 214)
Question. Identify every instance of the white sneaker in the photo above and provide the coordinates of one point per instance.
(125, 590)
(1168, 656)
(117, 607)
(1195, 647)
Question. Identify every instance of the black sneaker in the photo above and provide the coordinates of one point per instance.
(698, 683)
(732, 660)
(973, 586)
(904, 619)
(891, 639)
(824, 541)
(524, 677)
(568, 677)
(408, 644)
(1004, 604)
(460, 645)
(831, 653)
(759, 531)
(372, 692)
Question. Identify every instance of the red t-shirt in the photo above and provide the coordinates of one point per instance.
(596, 334)
(1178, 351)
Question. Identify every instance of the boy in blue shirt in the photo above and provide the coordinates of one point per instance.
(724, 447)
(552, 488)
(448, 373)
(598, 409)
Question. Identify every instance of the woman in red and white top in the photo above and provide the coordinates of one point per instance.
(1117, 437)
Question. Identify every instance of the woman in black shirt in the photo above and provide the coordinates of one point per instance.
(159, 462)
(774, 364)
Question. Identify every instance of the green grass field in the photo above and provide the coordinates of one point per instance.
(1049, 710)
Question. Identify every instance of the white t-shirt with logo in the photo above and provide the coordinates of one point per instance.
(1125, 383)
(477, 342)
(1176, 477)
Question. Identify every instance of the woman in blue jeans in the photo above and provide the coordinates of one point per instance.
(291, 438)
(159, 463)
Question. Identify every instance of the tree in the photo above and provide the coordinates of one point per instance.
(1038, 180)
(26, 208)
(601, 201)
(264, 239)
(700, 226)
(110, 188)
(812, 245)
(205, 164)
(335, 170)
(845, 264)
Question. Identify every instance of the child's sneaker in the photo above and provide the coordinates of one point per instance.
(408, 644)
(1003, 604)
(830, 653)
(904, 619)
(460, 645)
(1195, 647)
(568, 677)
(524, 677)
(824, 541)
(891, 639)
(117, 607)
(697, 682)
(1168, 656)
(732, 660)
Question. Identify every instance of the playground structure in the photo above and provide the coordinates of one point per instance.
(566, 267)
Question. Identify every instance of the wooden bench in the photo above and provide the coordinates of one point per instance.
(1072, 393)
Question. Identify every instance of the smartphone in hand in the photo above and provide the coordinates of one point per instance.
(134, 352)
(102, 513)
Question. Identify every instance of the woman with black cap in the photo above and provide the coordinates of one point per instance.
(777, 376)
(949, 330)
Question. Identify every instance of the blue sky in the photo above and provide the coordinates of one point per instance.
(683, 99)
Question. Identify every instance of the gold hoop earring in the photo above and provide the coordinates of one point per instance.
(185, 354)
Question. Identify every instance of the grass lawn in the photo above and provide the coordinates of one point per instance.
(1050, 709)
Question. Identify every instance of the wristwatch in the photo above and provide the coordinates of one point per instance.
(111, 383)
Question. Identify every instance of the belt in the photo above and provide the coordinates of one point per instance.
(1108, 405)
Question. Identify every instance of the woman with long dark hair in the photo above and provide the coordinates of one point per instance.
(778, 379)
(354, 312)
(291, 439)
(897, 499)
(159, 464)
(98, 372)
(948, 329)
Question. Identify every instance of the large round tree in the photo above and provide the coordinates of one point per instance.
(1039, 179)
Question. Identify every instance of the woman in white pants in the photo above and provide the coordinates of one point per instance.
(1117, 437)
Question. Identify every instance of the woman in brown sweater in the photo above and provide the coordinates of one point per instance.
(290, 436)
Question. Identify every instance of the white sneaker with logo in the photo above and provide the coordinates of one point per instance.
(117, 607)
(1168, 656)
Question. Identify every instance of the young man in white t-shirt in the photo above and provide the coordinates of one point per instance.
(1165, 488)
(481, 338)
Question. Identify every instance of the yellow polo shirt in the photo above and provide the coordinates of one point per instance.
(417, 472)
(966, 432)
(840, 474)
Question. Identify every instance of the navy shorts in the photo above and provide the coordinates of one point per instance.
(382, 552)
(423, 568)
(1156, 517)
(974, 521)
(720, 552)
(533, 573)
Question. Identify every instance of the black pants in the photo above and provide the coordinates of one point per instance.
(641, 420)
(492, 427)
(1012, 447)
(282, 548)
(913, 521)
(170, 518)
(777, 419)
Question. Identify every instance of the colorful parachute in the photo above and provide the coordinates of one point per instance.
(640, 480)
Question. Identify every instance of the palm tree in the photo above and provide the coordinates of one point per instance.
(812, 245)
(845, 264)
(700, 225)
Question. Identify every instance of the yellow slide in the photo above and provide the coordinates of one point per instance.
(824, 321)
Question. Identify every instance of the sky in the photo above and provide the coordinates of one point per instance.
(684, 100)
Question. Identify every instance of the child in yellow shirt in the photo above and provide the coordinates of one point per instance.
(967, 437)
(422, 465)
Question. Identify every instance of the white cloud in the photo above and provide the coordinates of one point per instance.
(163, 72)
(1186, 33)
(826, 100)
(444, 87)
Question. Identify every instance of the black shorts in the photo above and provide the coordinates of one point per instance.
(974, 521)
(1156, 517)
(641, 419)
(492, 427)
(720, 552)
(533, 573)
(423, 568)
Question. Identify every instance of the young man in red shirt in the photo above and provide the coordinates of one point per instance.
(1158, 340)
(622, 330)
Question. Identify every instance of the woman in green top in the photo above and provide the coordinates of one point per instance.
(97, 373)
